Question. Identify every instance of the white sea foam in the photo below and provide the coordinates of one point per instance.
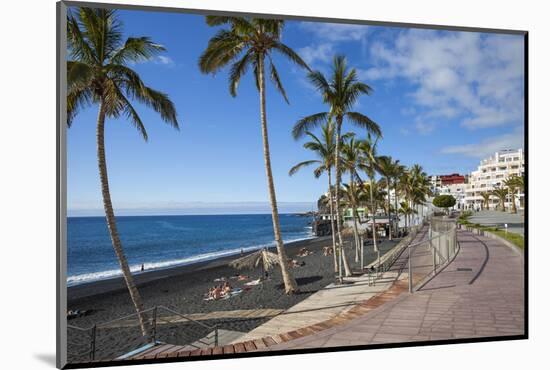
(149, 266)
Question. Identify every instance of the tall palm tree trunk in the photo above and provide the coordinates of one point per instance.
(373, 220)
(354, 215)
(333, 228)
(111, 221)
(389, 211)
(513, 199)
(356, 234)
(396, 201)
(288, 279)
(343, 258)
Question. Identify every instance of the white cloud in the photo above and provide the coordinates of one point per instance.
(487, 147)
(327, 36)
(164, 60)
(424, 128)
(478, 78)
(317, 53)
(336, 32)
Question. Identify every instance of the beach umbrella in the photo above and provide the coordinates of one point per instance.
(262, 258)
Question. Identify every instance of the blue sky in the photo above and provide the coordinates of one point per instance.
(443, 100)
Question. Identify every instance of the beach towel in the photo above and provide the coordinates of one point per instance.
(253, 282)
(232, 293)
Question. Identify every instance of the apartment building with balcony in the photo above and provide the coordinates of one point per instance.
(440, 183)
(458, 191)
(491, 174)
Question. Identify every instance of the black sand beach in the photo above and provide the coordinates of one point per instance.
(182, 289)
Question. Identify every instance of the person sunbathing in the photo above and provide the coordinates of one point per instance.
(226, 288)
(295, 263)
(217, 293)
(210, 290)
(327, 251)
(304, 252)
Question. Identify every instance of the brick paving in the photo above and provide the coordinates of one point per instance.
(479, 294)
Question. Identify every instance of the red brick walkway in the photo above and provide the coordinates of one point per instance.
(480, 294)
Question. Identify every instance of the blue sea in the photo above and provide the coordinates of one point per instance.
(164, 241)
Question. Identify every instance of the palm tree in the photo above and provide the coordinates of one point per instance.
(387, 169)
(351, 160)
(398, 173)
(369, 165)
(324, 150)
(406, 210)
(420, 187)
(340, 93)
(249, 42)
(486, 198)
(98, 73)
(513, 183)
(406, 187)
(501, 194)
(350, 196)
(521, 186)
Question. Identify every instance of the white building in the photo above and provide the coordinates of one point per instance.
(491, 174)
(458, 191)
(435, 183)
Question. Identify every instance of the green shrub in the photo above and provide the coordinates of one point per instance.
(444, 201)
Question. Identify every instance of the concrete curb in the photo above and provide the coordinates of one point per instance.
(490, 235)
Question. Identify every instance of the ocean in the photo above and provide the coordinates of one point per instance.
(158, 242)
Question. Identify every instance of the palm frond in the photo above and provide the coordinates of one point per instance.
(136, 49)
(361, 120)
(308, 123)
(319, 81)
(103, 29)
(300, 165)
(238, 69)
(78, 46)
(222, 48)
(77, 100)
(79, 75)
(290, 54)
(161, 103)
(132, 115)
(276, 80)
(136, 89)
(242, 24)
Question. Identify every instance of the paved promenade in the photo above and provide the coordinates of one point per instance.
(479, 294)
(333, 300)
(515, 221)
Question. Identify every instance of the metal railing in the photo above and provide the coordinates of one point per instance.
(87, 343)
(441, 243)
(382, 264)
